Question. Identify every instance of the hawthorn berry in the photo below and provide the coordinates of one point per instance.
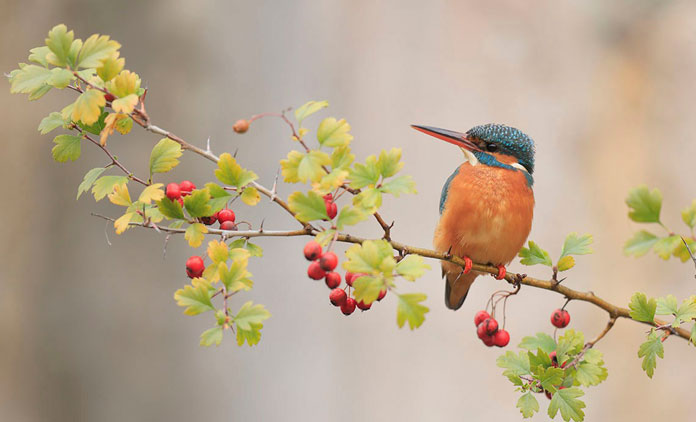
(490, 326)
(331, 210)
(173, 191)
(312, 250)
(186, 187)
(332, 280)
(315, 272)
(228, 225)
(364, 306)
(241, 126)
(480, 316)
(328, 261)
(209, 220)
(382, 293)
(349, 278)
(109, 97)
(348, 306)
(501, 338)
(560, 318)
(554, 360)
(194, 266)
(481, 331)
(488, 340)
(181, 201)
(338, 297)
(328, 197)
(226, 215)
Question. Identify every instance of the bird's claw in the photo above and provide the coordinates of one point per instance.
(501, 272)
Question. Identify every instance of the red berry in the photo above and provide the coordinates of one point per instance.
(480, 316)
(226, 215)
(501, 338)
(548, 394)
(181, 201)
(488, 340)
(348, 306)
(186, 187)
(332, 280)
(194, 266)
(331, 210)
(353, 277)
(328, 197)
(338, 297)
(173, 191)
(312, 250)
(364, 306)
(109, 97)
(382, 293)
(315, 272)
(481, 331)
(228, 225)
(490, 326)
(209, 220)
(328, 261)
(560, 318)
(241, 126)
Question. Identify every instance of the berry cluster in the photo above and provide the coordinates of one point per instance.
(560, 318)
(323, 265)
(225, 216)
(487, 330)
(176, 192)
(331, 208)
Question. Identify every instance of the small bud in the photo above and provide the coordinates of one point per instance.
(241, 126)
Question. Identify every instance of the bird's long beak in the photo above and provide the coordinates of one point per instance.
(459, 139)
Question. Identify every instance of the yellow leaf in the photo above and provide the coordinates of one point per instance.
(151, 193)
(250, 196)
(123, 222)
(125, 104)
(566, 263)
(110, 67)
(218, 251)
(212, 273)
(331, 181)
(125, 83)
(120, 195)
(239, 254)
(114, 121)
(87, 108)
(195, 233)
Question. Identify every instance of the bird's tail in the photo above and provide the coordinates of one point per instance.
(456, 285)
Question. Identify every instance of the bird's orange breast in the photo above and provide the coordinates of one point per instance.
(487, 215)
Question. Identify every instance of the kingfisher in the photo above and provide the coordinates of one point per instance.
(486, 205)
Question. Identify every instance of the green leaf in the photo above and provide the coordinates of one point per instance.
(164, 156)
(409, 309)
(51, 122)
(577, 245)
(88, 106)
(350, 216)
(28, 78)
(570, 343)
(399, 185)
(370, 199)
(367, 288)
(253, 249)
(567, 402)
(60, 78)
(412, 267)
(589, 374)
(515, 364)
(96, 127)
(541, 341)
(682, 253)
(249, 321)
(341, 157)
(212, 336)
(371, 257)
(307, 109)
(231, 173)
(67, 148)
(666, 246)
(689, 214)
(685, 313)
(324, 237)
(528, 405)
(541, 358)
(105, 185)
(38, 55)
(649, 351)
(549, 378)
(565, 263)
(330, 182)
(640, 243)
(195, 233)
(299, 167)
(197, 203)
(95, 49)
(170, 209)
(195, 299)
(110, 67)
(362, 175)
(667, 305)
(308, 207)
(89, 179)
(644, 205)
(333, 133)
(236, 277)
(389, 163)
(534, 255)
(642, 309)
(59, 41)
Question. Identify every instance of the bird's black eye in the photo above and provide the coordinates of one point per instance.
(492, 147)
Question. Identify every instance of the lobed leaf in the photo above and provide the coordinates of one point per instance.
(649, 351)
(250, 196)
(59, 41)
(51, 122)
(389, 162)
(249, 322)
(308, 207)
(105, 185)
(541, 341)
(195, 299)
(195, 233)
(412, 267)
(409, 309)
(688, 215)
(350, 216)
(212, 336)
(231, 173)
(197, 204)
(67, 148)
(666, 246)
(528, 405)
(152, 193)
(534, 255)
(95, 49)
(334, 133)
(88, 106)
(307, 109)
(567, 402)
(399, 185)
(164, 156)
(367, 288)
(641, 308)
(640, 243)
(170, 209)
(89, 179)
(644, 205)
(577, 245)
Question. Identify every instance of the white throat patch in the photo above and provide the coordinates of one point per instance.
(470, 157)
(519, 166)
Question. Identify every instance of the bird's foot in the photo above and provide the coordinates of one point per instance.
(467, 265)
(501, 272)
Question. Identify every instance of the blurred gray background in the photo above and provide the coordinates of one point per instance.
(90, 332)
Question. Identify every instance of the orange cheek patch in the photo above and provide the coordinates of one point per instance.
(505, 159)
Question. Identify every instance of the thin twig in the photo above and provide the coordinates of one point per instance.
(690, 253)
